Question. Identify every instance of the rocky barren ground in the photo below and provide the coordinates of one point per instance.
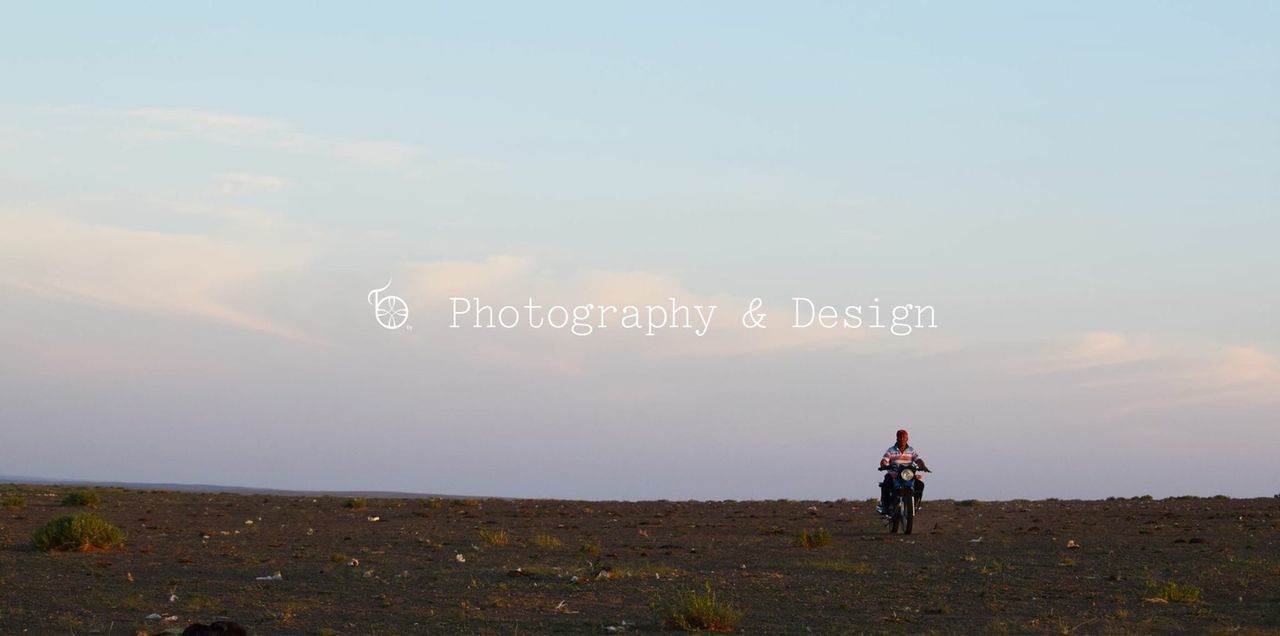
(412, 566)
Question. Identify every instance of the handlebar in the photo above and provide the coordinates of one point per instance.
(912, 467)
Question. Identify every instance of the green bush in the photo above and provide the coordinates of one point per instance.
(495, 537)
(1177, 593)
(355, 503)
(83, 532)
(810, 538)
(704, 612)
(546, 541)
(13, 501)
(81, 498)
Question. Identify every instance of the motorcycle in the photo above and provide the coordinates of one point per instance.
(902, 498)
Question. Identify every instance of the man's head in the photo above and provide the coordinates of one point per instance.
(902, 437)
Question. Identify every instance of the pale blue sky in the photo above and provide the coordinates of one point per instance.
(194, 201)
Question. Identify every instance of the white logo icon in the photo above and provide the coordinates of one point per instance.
(390, 311)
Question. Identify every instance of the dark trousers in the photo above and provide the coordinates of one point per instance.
(886, 489)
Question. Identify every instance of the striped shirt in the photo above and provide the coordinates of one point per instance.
(899, 459)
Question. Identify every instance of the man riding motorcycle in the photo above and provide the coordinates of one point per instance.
(900, 455)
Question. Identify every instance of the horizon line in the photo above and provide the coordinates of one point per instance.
(25, 480)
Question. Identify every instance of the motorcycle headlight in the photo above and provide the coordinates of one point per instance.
(907, 474)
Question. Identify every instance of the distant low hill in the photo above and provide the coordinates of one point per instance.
(214, 488)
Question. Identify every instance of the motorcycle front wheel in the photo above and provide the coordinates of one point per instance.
(909, 515)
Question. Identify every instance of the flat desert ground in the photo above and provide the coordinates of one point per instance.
(499, 566)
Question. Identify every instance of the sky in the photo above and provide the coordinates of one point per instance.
(196, 200)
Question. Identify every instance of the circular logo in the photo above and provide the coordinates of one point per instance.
(390, 311)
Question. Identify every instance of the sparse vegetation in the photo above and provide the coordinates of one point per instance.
(646, 571)
(1176, 592)
(546, 541)
(13, 502)
(495, 537)
(589, 572)
(82, 532)
(82, 498)
(540, 570)
(199, 603)
(355, 503)
(700, 611)
(636, 561)
(993, 568)
(844, 567)
(968, 503)
(813, 538)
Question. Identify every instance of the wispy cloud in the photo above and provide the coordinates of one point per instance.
(178, 124)
(1140, 373)
(1091, 350)
(145, 271)
(1235, 374)
(238, 183)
